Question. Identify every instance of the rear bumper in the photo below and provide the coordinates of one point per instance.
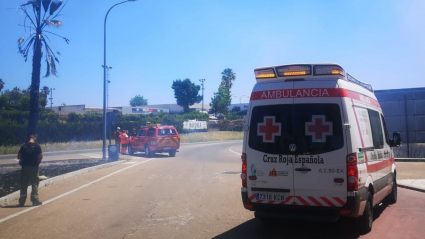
(161, 149)
(352, 208)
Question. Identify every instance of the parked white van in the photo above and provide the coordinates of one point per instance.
(316, 146)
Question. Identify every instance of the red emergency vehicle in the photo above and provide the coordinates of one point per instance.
(155, 138)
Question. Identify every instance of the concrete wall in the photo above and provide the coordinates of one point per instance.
(404, 111)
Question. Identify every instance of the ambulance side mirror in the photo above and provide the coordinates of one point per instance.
(396, 141)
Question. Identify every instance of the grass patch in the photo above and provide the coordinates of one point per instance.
(184, 138)
(210, 136)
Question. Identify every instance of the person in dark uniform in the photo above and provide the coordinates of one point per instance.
(30, 157)
(133, 132)
(117, 136)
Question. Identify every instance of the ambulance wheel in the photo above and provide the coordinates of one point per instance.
(172, 153)
(130, 150)
(148, 151)
(265, 221)
(392, 197)
(366, 220)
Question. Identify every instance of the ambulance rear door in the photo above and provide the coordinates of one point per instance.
(318, 144)
(269, 173)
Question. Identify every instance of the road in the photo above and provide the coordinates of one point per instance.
(193, 195)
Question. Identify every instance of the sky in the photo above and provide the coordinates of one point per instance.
(151, 43)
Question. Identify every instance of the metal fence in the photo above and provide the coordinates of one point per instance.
(404, 111)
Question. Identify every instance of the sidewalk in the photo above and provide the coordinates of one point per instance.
(411, 174)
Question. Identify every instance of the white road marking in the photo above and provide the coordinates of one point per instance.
(69, 192)
(237, 153)
(92, 155)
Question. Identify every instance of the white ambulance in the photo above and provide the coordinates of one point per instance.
(316, 146)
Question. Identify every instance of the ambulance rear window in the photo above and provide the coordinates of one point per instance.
(166, 132)
(296, 129)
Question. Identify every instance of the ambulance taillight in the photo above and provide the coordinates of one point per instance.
(352, 172)
(243, 173)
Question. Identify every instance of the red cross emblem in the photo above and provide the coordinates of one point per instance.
(268, 129)
(318, 128)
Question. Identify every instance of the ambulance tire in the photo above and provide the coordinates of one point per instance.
(130, 150)
(265, 220)
(148, 151)
(172, 153)
(366, 220)
(392, 197)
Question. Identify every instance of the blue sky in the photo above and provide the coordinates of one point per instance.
(151, 43)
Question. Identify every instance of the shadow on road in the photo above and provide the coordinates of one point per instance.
(286, 228)
(157, 155)
(293, 229)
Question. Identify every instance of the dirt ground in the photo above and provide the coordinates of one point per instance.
(410, 170)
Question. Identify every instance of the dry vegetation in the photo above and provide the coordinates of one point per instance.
(185, 138)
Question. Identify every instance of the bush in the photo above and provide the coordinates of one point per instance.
(230, 125)
(80, 127)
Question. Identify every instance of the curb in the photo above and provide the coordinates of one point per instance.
(409, 159)
(411, 188)
(4, 201)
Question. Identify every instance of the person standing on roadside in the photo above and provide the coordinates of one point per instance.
(30, 157)
(133, 132)
(124, 141)
(117, 136)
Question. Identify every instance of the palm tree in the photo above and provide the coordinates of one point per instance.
(1, 84)
(36, 39)
(227, 76)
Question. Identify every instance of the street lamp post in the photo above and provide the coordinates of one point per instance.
(107, 87)
(51, 97)
(107, 101)
(104, 79)
(202, 83)
(240, 99)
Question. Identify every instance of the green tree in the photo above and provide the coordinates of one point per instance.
(227, 76)
(4, 99)
(42, 102)
(40, 14)
(44, 93)
(186, 93)
(24, 103)
(14, 96)
(1, 84)
(138, 101)
(221, 100)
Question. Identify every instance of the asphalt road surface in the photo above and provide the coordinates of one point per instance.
(193, 195)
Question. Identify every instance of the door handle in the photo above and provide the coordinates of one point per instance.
(302, 169)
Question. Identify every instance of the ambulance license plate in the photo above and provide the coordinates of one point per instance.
(167, 148)
(269, 197)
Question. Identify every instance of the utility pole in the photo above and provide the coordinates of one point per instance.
(51, 97)
(104, 79)
(107, 86)
(202, 83)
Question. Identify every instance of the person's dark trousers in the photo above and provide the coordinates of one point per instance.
(29, 175)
